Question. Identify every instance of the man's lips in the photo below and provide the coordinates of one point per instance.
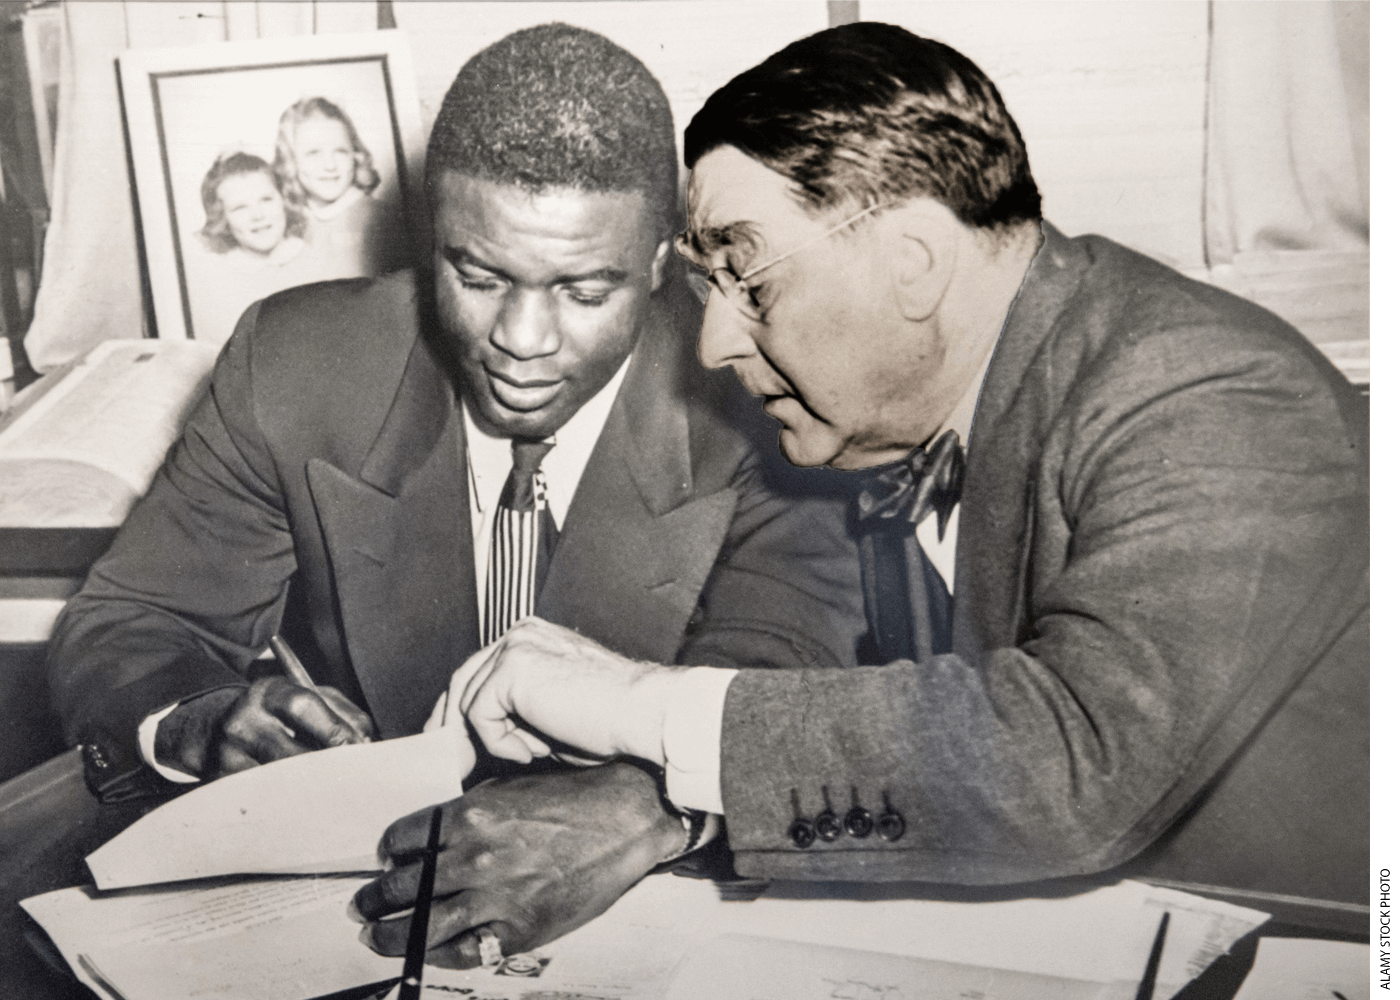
(522, 394)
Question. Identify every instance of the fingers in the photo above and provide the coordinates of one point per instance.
(474, 673)
(503, 737)
(274, 718)
(392, 893)
(490, 714)
(452, 918)
(249, 732)
(406, 837)
(462, 952)
(306, 714)
(232, 760)
(355, 717)
(437, 718)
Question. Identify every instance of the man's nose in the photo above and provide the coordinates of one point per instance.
(527, 326)
(724, 334)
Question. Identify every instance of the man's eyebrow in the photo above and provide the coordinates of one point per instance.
(612, 275)
(742, 235)
(461, 256)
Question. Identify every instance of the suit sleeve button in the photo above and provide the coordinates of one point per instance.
(802, 832)
(859, 822)
(890, 825)
(828, 825)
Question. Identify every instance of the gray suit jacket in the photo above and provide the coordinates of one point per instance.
(1163, 536)
(321, 490)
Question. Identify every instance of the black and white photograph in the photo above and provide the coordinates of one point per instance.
(660, 499)
(264, 166)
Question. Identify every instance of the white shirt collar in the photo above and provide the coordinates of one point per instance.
(489, 457)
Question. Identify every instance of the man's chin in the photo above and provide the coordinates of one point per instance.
(502, 421)
(801, 450)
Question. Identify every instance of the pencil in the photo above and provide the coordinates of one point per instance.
(1148, 986)
(416, 951)
(291, 666)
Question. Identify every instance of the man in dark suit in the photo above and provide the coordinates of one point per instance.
(339, 484)
(1153, 558)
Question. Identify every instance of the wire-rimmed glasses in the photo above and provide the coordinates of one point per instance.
(734, 287)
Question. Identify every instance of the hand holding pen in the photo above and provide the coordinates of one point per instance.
(234, 728)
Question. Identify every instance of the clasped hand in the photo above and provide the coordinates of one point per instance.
(542, 682)
(234, 728)
(538, 855)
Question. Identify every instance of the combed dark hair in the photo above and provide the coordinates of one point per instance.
(556, 106)
(366, 178)
(869, 113)
(215, 232)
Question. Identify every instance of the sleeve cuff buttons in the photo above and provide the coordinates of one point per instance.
(858, 822)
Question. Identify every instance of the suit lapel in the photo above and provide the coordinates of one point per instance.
(399, 539)
(636, 533)
(1011, 419)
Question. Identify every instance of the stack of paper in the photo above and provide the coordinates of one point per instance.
(256, 925)
(675, 938)
(279, 935)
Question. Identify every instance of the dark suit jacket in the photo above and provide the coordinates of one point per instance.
(1163, 536)
(321, 489)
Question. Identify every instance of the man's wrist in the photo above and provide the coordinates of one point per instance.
(183, 736)
(146, 745)
(644, 718)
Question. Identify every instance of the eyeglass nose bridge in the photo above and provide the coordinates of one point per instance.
(735, 291)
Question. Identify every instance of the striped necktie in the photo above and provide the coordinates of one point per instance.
(523, 534)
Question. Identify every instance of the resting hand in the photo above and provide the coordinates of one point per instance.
(232, 729)
(532, 857)
(543, 680)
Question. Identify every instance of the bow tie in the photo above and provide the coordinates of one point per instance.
(928, 479)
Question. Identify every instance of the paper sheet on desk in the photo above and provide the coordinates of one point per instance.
(756, 968)
(1100, 937)
(1307, 969)
(247, 939)
(317, 812)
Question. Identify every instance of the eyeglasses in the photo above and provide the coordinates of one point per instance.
(734, 287)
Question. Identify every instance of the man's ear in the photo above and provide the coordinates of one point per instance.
(924, 248)
(658, 264)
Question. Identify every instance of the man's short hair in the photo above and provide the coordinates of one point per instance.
(556, 106)
(870, 113)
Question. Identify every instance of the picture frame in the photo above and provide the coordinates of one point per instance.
(265, 164)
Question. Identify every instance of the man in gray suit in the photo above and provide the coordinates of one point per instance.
(1153, 561)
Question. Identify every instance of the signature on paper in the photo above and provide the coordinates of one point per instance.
(854, 989)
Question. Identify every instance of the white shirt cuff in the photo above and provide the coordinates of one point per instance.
(146, 740)
(690, 738)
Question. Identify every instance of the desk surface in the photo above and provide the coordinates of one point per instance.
(49, 823)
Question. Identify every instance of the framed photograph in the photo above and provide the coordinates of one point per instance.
(263, 165)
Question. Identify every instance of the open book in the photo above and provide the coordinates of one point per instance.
(90, 439)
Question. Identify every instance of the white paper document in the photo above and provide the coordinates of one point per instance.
(316, 812)
(1307, 969)
(758, 968)
(283, 938)
(276, 938)
(1092, 944)
(283, 934)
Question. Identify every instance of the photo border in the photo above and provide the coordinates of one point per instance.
(142, 71)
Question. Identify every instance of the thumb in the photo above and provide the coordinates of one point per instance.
(437, 718)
